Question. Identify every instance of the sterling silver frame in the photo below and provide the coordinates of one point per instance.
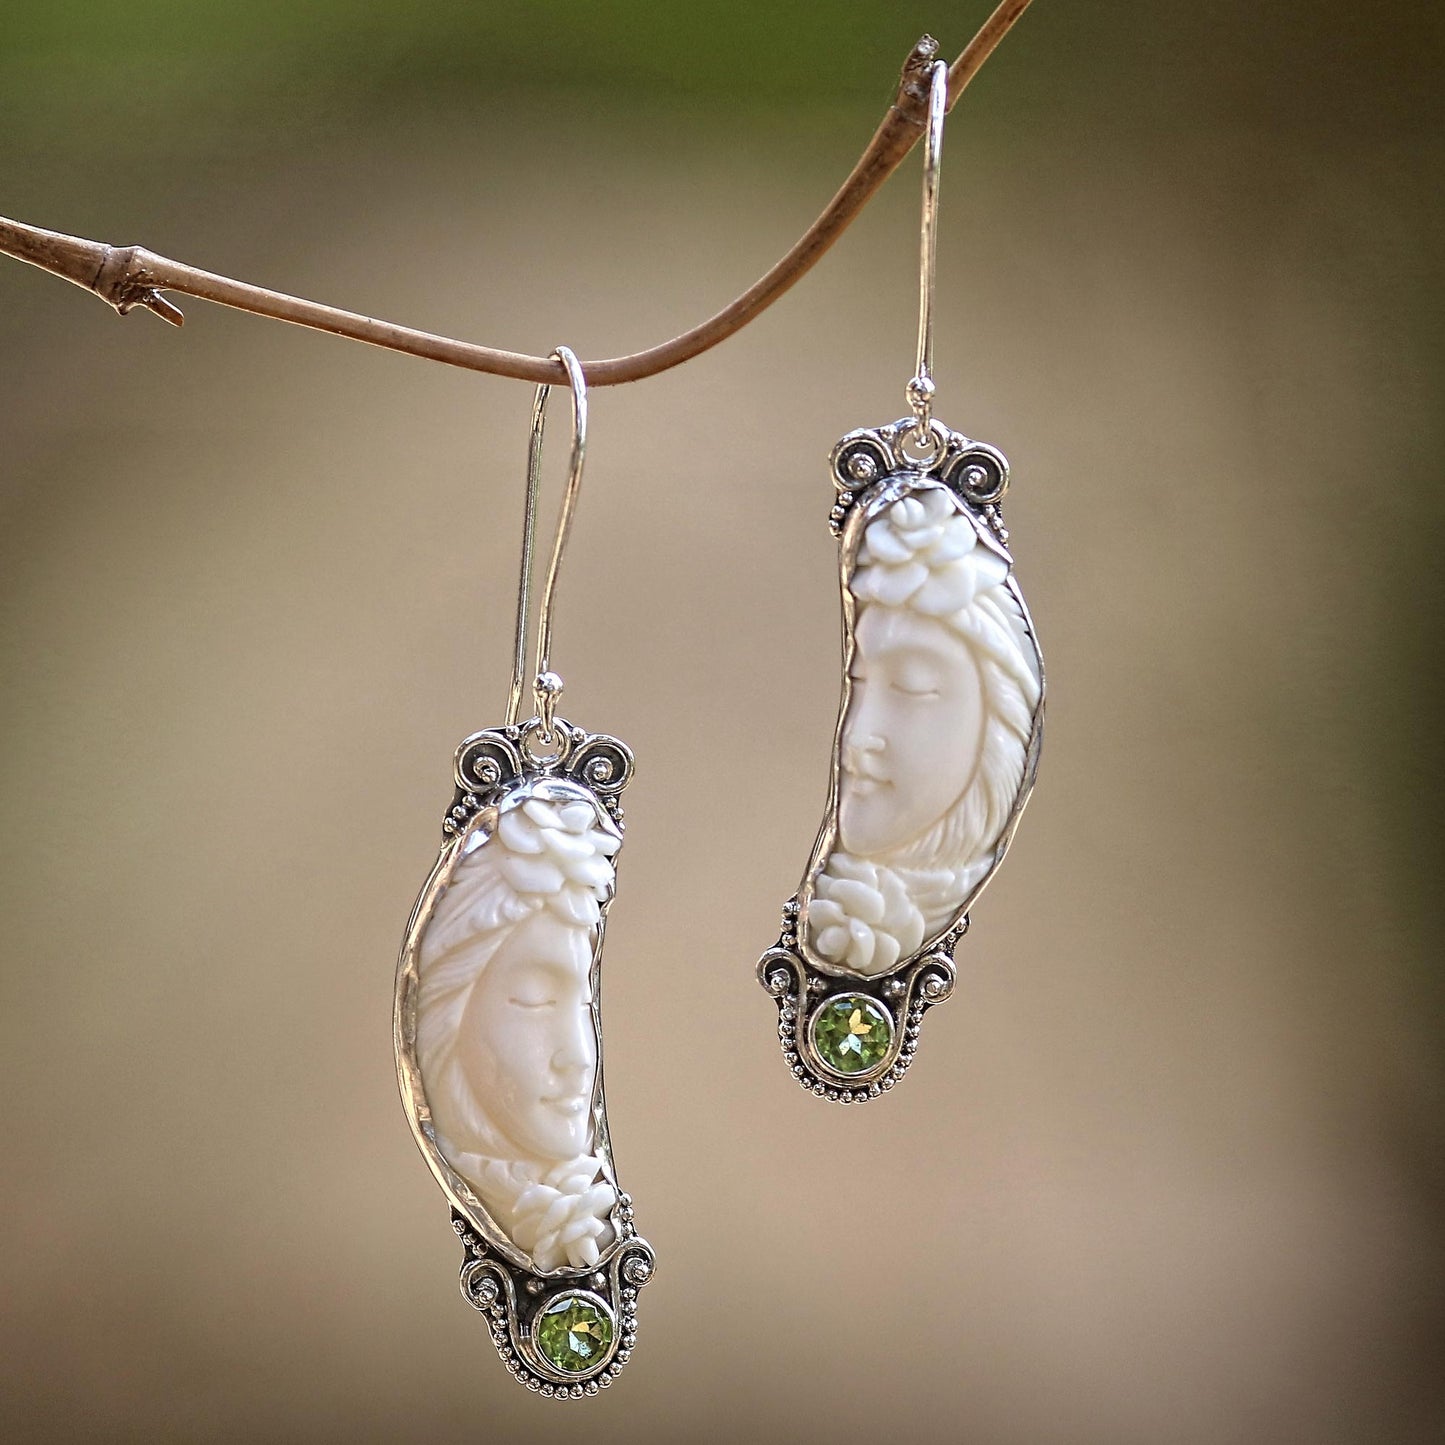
(497, 1278)
(872, 468)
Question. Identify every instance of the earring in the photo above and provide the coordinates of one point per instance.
(498, 1024)
(937, 741)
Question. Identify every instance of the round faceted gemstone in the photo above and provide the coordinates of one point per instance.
(574, 1333)
(851, 1034)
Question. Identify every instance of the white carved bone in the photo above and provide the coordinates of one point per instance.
(940, 708)
(506, 1031)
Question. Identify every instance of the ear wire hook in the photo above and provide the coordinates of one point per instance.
(921, 388)
(546, 685)
(529, 537)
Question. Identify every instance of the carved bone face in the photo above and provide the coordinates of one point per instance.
(506, 1033)
(911, 736)
(943, 697)
(527, 1043)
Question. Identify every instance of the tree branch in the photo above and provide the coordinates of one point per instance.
(131, 276)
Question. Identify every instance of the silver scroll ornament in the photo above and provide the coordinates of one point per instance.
(498, 1051)
(934, 755)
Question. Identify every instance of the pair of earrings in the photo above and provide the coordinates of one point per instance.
(498, 1025)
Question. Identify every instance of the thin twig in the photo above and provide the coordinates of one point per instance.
(131, 276)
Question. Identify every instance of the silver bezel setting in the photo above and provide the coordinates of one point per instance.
(493, 770)
(871, 468)
(809, 1024)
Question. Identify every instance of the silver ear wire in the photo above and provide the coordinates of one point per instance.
(529, 537)
(546, 685)
(921, 388)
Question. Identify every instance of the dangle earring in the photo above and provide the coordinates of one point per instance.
(498, 1023)
(937, 741)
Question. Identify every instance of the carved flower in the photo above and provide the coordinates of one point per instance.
(923, 553)
(861, 916)
(558, 856)
(564, 1218)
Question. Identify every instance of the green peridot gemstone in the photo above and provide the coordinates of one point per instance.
(574, 1333)
(851, 1034)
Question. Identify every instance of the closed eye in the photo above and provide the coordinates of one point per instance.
(532, 1003)
(908, 691)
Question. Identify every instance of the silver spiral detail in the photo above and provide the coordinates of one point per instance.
(603, 764)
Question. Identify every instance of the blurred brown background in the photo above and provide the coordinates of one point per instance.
(1169, 1166)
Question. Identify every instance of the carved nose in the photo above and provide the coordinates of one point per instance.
(855, 750)
(571, 1058)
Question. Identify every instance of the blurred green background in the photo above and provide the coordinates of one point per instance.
(1169, 1165)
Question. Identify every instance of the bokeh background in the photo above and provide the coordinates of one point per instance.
(1169, 1167)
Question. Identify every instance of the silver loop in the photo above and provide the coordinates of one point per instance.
(544, 745)
(546, 686)
(929, 438)
(921, 388)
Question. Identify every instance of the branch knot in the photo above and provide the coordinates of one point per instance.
(125, 282)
